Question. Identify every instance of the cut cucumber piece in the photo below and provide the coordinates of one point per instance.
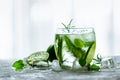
(90, 53)
(37, 57)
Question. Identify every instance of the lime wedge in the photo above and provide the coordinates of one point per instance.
(90, 53)
(37, 57)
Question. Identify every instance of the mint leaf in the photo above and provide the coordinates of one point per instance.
(18, 65)
(78, 43)
(93, 67)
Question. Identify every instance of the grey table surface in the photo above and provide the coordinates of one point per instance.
(7, 73)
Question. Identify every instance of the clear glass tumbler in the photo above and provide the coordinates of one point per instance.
(74, 47)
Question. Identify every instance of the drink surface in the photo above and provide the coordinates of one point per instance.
(71, 47)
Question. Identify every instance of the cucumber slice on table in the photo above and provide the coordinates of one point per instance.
(37, 57)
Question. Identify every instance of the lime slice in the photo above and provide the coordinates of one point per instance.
(90, 53)
(37, 57)
(78, 43)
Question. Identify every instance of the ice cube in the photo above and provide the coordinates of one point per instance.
(75, 65)
(107, 62)
(56, 66)
(116, 59)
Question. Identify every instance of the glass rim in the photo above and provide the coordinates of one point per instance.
(78, 28)
(74, 30)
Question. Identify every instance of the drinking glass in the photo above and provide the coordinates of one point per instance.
(74, 47)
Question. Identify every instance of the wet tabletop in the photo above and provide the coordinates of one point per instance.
(7, 73)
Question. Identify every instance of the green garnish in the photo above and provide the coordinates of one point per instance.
(77, 52)
(90, 53)
(82, 61)
(67, 27)
(93, 67)
(98, 59)
(59, 50)
(78, 43)
(88, 56)
(18, 65)
(31, 60)
(51, 52)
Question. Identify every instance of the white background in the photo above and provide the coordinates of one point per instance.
(27, 26)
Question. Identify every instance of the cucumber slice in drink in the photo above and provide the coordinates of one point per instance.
(87, 58)
(90, 53)
(37, 57)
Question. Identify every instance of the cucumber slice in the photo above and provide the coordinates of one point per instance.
(37, 57)
(90, 53)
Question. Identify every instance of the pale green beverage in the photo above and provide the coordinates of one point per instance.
(75, 47)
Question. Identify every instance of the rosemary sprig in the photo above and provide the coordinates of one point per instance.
(68, 26)
(98, 59)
